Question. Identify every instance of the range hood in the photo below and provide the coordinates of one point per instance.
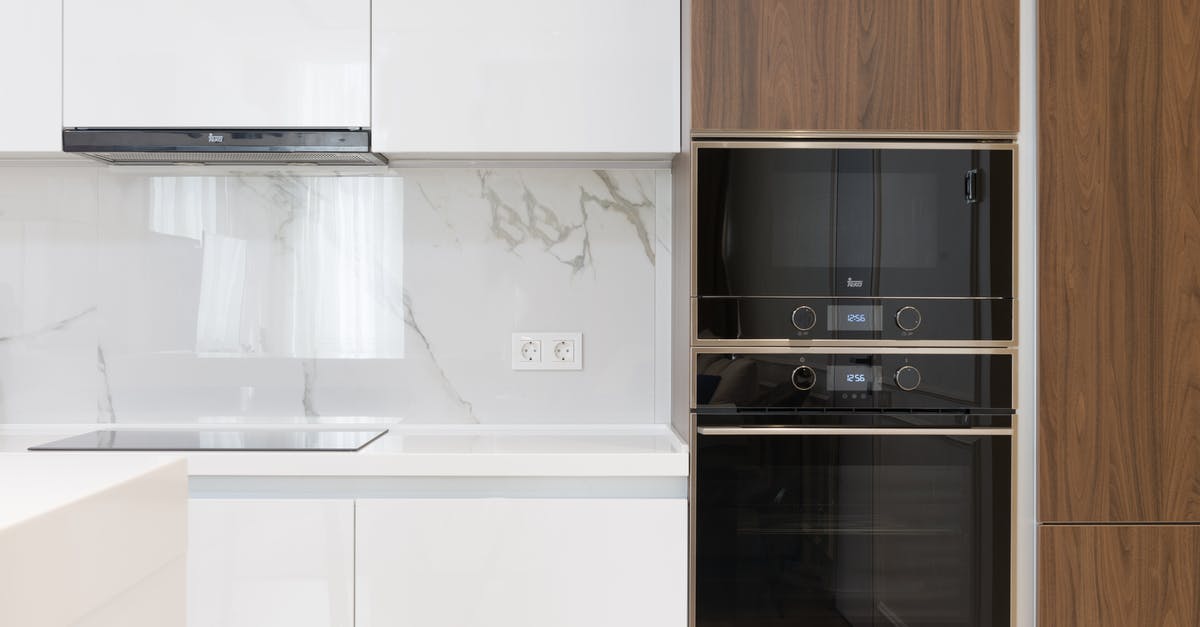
(128, 146)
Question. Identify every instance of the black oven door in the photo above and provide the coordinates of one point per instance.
(888, 525)
(782, 225)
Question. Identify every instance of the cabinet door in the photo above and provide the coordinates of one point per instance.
(1119, 576)
(270, 563)
(217, 63)
(1118, 262)
(526, 76)
(854, 65)
(31, 75)
(522, 562)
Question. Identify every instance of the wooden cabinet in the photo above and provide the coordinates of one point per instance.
(854, 65)
(521, 562)
(271, 563)
(525, 77)
(1119, 262)
(1119, 576)
(31, 76)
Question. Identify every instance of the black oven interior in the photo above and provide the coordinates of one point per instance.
(853, 530)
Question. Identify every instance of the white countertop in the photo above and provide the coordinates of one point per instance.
(422, 451)
(77, 539)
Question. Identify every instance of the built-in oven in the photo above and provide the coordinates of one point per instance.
(828, 243)
(834, 488)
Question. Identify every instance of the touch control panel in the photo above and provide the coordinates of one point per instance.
(795, 379)
(732, 320)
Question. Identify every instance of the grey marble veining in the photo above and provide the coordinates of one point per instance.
(286, 297)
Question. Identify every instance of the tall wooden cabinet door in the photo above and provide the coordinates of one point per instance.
(854, 65)
(1119, 576)
(1119, 261)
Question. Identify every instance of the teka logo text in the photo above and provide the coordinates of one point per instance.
(217, 139)
(850, 282)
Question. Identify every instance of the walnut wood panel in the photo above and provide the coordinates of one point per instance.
(1119, 261)
(854, 65)
(1119, 576)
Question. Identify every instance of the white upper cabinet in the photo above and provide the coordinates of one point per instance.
(526, 76)
(31, 75)
(216, 63)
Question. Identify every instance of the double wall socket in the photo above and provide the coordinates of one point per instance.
(547, 351)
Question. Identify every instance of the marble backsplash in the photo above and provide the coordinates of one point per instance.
(167, 296)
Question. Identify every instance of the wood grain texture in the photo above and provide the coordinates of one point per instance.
(1119, 576)
(1119, 261)
(854, 65)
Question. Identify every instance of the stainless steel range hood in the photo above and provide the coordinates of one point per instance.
(223, 146)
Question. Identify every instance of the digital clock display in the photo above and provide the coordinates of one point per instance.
(864, 318)
(853, 378)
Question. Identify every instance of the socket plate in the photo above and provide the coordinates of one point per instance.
(555, 351)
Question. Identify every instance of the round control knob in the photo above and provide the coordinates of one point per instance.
(804, 378)
(804, 318)
(908, 318)
(908, 378)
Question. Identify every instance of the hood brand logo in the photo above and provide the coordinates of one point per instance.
(850, 282)
(217, 139)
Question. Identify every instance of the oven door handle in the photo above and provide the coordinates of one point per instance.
(744, 431)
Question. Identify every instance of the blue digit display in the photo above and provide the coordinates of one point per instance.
(857, 318)
(852, 377)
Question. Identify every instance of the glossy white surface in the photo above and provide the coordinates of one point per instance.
(271, 563)
(525, 76)
(170, 296)
(522, 562)
(217, 63)
(31, 76)
(436, 451)
(78, 539)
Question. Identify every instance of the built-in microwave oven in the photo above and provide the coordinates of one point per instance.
(828, 243)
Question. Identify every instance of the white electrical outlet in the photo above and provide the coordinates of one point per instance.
(547, 351)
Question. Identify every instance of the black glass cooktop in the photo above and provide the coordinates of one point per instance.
(214, 440)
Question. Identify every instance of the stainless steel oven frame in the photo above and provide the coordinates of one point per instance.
(804, 143)
(1013, 432)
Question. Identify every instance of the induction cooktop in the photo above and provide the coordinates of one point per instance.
(215, 440)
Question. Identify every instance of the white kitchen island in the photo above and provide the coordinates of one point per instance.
(96, 541)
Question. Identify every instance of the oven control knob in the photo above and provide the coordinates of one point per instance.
(908, 378)
(804, 378)
(908, 318)
(804, 318)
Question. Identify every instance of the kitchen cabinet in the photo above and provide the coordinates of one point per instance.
(1119, 576)
(271, 563)
(31, 73)
(522, 562)
(525, 76)
(216, 64)
(1119, 262)
(864, 66)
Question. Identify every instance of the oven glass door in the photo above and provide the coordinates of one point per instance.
(852, 528)
(848, 222)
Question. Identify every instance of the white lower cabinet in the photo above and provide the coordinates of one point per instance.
(521, 562)
(271, 563)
